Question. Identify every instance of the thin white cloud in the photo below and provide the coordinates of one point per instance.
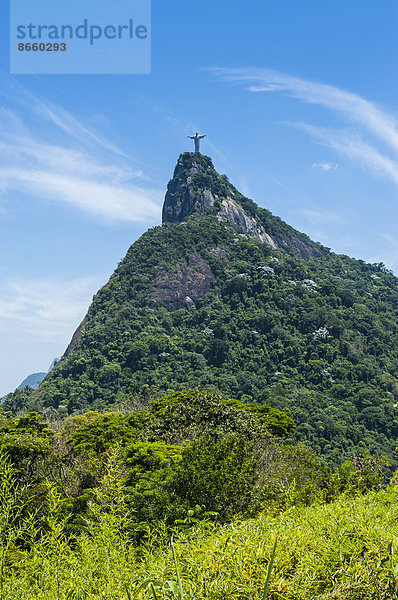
(357, 109)
(72, 126)
(110, 201)
(369, 119)
(281, 185)
(325, 166)
(353, 146)
(45, 309)
(77, 166)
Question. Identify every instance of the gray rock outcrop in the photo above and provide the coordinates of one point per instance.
(195, 189)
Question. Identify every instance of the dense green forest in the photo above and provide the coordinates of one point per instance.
(190, 449)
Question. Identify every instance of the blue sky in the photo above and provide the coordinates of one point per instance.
(299, 104)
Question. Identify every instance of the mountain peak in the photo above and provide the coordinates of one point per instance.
(181, 198)
(196, 187)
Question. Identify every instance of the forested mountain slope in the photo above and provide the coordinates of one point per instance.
(227, 297)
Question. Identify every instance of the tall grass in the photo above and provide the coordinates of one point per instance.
(269, 571)
(346, 550)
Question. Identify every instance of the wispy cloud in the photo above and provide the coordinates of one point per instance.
(60, 159)
(325, 166)
(354, 147)
(45, 309)
(351, 105)
(72, 126)
(368, 119)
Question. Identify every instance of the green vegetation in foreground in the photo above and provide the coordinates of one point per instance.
(189, 457)
(89, 505)
(347, 550)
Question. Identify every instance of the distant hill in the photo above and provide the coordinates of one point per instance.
(228, 297)
(33, 381)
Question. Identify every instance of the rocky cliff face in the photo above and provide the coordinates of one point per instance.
(232, 212)
(196, 188)
(185, 283)
(182, 198)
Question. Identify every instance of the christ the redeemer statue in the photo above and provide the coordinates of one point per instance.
(197, 139)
